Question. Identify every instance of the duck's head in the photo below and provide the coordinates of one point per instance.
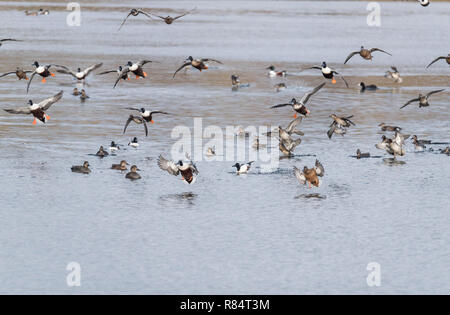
(123, 163)
(190, 58)
(358, 152)
(324, 64)
(120, 68)
(101, 148)
(79, 70)
(362, 47)
(293, 101)
(36, 64)
(129, 63)
(40, 9)
(113, 144)
(134, 168)
(142, 110)
(86, 164)
(237, 165)
(333, 116)
(361, 84)
(180, 163)
(414, 137)
(383, 137)
(381, 124)
(134, 11)
(30, 102)
(272, 68)
(135, 139)
(305, 169)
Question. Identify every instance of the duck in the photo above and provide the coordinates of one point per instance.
(136, 68)
(339, 125)
(300, 107)
(360, 155)
(43, 71)
(385, 127)
(236, 83)
(383, 144)
(20, 73)
(169, 20)
(447, 59)
(285, 134)
(101, 152)
(83, 95)
(420, 147)
(123, 73)
(257, 144)
(445, 151)
(272, 73)
(75, 92)
(415, 139)
(280, 87)
(132, 174)
(365, 53)
(44, 12)
(287, 147)
(8, 40)
(187, 170)
(135, 12)
(134, 143)
(424, 3)
(122, 166)
(113, 147)
(243, 168)
(79, 75)
(310, 176)
(241, 132)
(394, 74)
(32, 13)
(422, 99)
(199, 64)
(83, 169)
(364, 87)
(37, 109)
(328, 73)
(394, 146)
(211, 151)
(146, 116)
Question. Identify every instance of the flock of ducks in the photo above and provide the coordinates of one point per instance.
(187, 169)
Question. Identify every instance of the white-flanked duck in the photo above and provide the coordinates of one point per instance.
(273, 73)
(83, 169)
(420, 147)
(122, 166)
(328, 73)
(146, 116)
(136, 68)
(8, 40)
(37, 109)
(422, 99)
(169, 20)
(300, 107)
(101, 152)
(243, 168)
(385, 127)
(113, 147)
(20, 73)
(447, 59)
(199, 64)
(394, 74)
(383, 144)
(187, 170)
(132, 174)
(135, 12)
(365, 53)
(80, 75)
(339, 125)
(134, 143)
(310, 176)
(43, 71)
(424, 3)
(364, 87)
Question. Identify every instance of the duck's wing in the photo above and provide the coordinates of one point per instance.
(433, 92)
(130, 119)
(159, 112)
(315, 67)
(350, 56)
(31, 79)
(291, 127)
(143, 62)
(121, 74)
(347, 119)
(45, 104)
(210, 59)
(411, 101)
(307, 96)
(105, 72)
(66, 70)
(132, 108)
(9, 40)
(159, 16)
(437, 59)
(8, 73)
(19, 110)
(394, 68)
(168, 165)
(124, 21)
(320, 171)
(145, 127)
(184, 65)
(380, 50)
(300, 176)
(281, 105)
(343, 79)
(179, 16)
(331, 130)
(92, 68)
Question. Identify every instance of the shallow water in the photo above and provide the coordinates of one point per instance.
(261, 233)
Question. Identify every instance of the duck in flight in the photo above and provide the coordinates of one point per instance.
(169, 20)
(37, 109)
(136, 68)
(20, 73)
(80, 75)
(300, 107)
(199, 64)
(43, 71)
(146, 116)
(394, 74)
(328, 73)
(447, 59)
(339, 125)
(365, 53)
(422, 99)
(310, 176)
(188, 170)
(121, 75)
(385, 127)
(135, 12)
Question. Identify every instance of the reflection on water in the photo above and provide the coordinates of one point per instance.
(393, 161)
(183, 199)
(311, 196)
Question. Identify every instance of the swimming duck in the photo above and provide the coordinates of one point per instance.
(394, 74)
(422, 99)
(135, 12)
(365, 53)
(37, 109)
(329, 73)
(44, 12)
(43, 71)
(75, 92)
(447, 59)
(134, 143)
(280, 87)
(257, 144)
(243, 168)
(415, 139)
(133, 175)
(187, 170)
(364, 87)
(20, 73)
(83, 96)
(199, 64)
(101, 152)
(445, 151)
(8, 40)
(83, 169)
(169, 20)
(272, 73)
(300, 107)
(418, 146)
(424, 3)
(136, 68)
(122, 166)
(211, 151)
(32, 13)
(385, 127)
(113, 147)
(310, 176)
(360, 155)
(80, 75)
(339, 125)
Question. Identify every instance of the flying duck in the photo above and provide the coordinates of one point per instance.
(37, 109)
(8, 40)
(328, 73)
(122, 166)
(133, 175)
(383, 144)
(364, 87)
(447, 59)
(360, 155)
(300, 107)
(169, 20)
(101, 152)
(385, 127)
(187, 170)
(113, 147)
(272, 73)
(394, 74)
(243, 168)
(124, 75)
(134, 143)
(83, 169)
(136, 68)
(199, 64)
(20, 73)
(146, 116)
(394, 146)
(43, 71)
(80, 75)
(135, 12)
(422, 99)
(339, 125)
(365, 53)
(286, 143)
(310, 176)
